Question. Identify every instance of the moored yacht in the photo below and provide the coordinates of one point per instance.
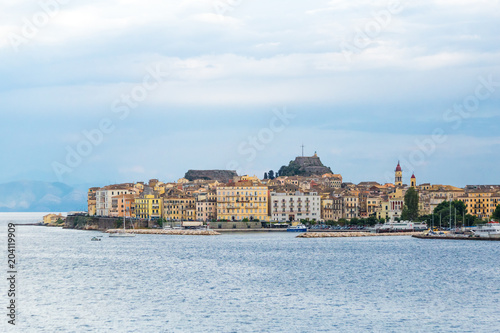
(401, 226)
(489, 230)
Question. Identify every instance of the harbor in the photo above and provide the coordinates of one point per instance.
(489, 231)
(455, 237)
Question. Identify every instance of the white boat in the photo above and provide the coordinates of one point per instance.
(121, 234)
(297, 228)
(124, 232)
(420, 226)
(402, 226)
(489, 230)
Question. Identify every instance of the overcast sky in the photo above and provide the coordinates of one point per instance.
(112, 91)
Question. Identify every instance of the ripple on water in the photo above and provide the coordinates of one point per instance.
(254, 283)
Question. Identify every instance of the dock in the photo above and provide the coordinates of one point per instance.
(454, 237)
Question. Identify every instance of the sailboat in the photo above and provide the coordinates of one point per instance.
(124, 232)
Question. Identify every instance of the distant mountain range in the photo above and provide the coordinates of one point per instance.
(38, 196)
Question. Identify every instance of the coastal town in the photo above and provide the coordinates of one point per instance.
(311, 195)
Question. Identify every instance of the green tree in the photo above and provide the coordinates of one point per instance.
(271, 174)
(445, 212)
(293, 169)
(410, 209)
(265, 175)
(496, 214)
(470, 220)
(342, 222)
(372, 220)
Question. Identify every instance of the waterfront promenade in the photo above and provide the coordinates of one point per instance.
(166, 232)
(354, 234)
(457, 237)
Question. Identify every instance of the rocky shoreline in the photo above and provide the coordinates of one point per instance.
(354, 234)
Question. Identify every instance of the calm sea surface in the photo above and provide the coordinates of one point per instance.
(255, 282)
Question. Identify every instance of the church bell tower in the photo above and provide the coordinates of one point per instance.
(399, 176)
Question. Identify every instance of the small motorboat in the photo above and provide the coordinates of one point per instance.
(297, 228)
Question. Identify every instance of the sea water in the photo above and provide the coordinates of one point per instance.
(248, 282)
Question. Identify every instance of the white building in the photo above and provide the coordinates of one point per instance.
(395, 208)
(105, 194)
(295, 207)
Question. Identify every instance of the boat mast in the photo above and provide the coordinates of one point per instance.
(463, 220)
(455, 218)
(450, 213)
(123, 211)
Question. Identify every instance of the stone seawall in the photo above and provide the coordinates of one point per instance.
(236, 225)
(167, 232)
(353, 234)
(101, 223)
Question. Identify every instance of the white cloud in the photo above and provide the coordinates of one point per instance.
(257, 55)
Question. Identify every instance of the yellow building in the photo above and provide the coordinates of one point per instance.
(253, 179)
(372, 204)
(391, 207)
(397, 193)
(332, 180)
(413, 181)
(243, 200)
(53, 218)
(350, 206)
(148, 206)
(383, 212)
(480, 203)
(182, 181)
(179, 207)
(160, 188)
(331, 208)
(91, 200)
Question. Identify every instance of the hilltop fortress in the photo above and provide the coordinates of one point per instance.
(305, 166)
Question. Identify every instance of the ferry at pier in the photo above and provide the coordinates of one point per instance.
(402, 226)
(489, 230)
